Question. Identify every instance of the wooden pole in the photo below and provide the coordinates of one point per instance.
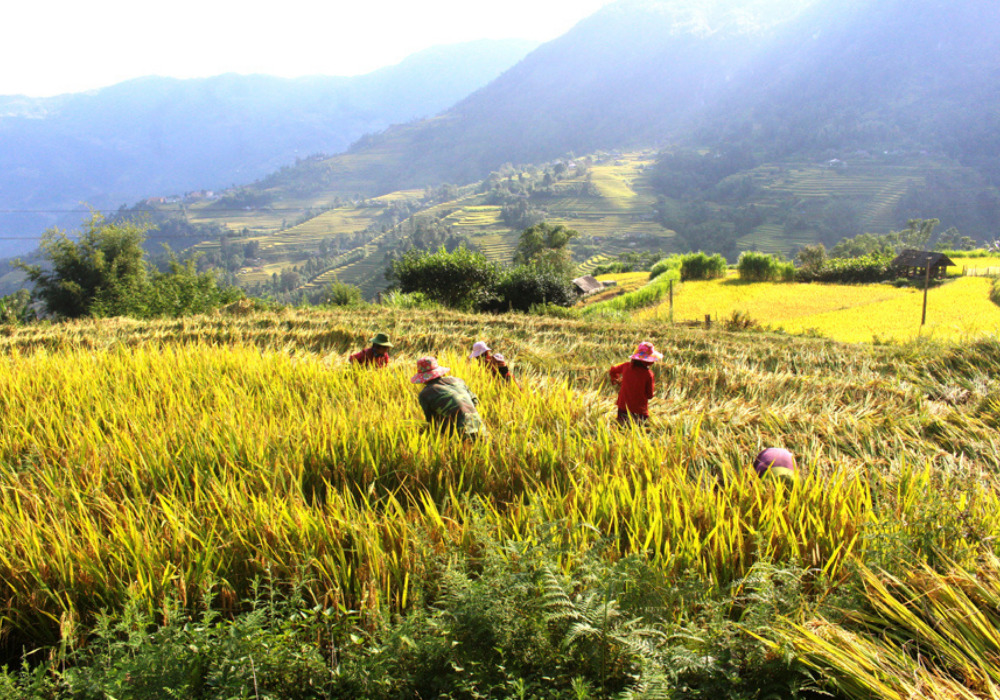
(708, 321)
(671, 302)
(927, 283)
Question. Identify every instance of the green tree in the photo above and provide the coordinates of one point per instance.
(812, 257)
(545, 244)
(916, 235)
(460, 279)
(101, 274)
(951, 239)
(105, 273)
(181, 290)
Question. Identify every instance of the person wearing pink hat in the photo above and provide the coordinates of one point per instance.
(635, 379)
(448, 404)
(775, 462)
(495, 362)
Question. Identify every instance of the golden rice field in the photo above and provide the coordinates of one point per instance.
(959, 309)
(153, 459)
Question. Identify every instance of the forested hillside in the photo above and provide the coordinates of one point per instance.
(863, 85)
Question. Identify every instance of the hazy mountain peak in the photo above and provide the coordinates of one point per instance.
(704, 18)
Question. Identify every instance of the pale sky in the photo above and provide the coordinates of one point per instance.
(48, 47)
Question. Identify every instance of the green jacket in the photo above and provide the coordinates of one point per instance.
(450, 406)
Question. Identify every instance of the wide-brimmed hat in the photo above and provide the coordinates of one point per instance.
(381, 339)
(478, 349)
(428, 369)
(647, 353)
(776, 461)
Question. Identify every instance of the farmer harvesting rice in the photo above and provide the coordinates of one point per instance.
(376, 356)
(636, 381)
(775, 462)
(448, 403)
(495, 362)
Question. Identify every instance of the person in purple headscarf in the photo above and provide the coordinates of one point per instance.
(775, 462)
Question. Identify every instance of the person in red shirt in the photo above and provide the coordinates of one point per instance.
(636, 381)
(376, 356)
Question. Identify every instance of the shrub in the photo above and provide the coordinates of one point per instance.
(413, 300)
(525, 286)
(698, 266)
(340, 294)
(181, 290)
(612, 268)
(812, 257)
(761, 267)
(664, 265)
(861, 270)
(461, 279)
(16, 308)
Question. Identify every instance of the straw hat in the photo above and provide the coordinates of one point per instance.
(478, 349)
(428, 369)
(647, 353)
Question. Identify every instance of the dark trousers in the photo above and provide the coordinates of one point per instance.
(625, 419)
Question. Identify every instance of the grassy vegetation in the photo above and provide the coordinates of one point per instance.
(144, 463)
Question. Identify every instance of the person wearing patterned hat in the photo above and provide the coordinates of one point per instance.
(495, 362)
(635, 379)
(448, 404)
(775, 462)
(376, 356)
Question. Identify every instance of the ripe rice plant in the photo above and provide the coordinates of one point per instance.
(930, 634)
(154, 460)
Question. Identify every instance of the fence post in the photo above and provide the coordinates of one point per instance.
(708, 321)
(927, 283)
(671, 302)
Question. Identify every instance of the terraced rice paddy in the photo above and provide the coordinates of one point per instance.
(877, 188)
(771, 238)
(959, 309)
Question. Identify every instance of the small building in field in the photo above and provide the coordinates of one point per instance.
(914, 263)
(587, 285)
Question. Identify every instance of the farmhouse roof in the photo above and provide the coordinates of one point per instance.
(921, 258)
(587, 284)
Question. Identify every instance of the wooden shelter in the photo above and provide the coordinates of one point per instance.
(587, 285)
(914, 263)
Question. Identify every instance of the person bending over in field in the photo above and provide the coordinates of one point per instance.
(635, 378)
(448, 404)
(775, 462)
(495, 362)
(376, 356)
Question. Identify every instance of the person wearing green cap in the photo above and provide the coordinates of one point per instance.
(376, 356)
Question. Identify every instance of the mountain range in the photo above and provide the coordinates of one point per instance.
(784, 78)
(160, 136)
(733, 93)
